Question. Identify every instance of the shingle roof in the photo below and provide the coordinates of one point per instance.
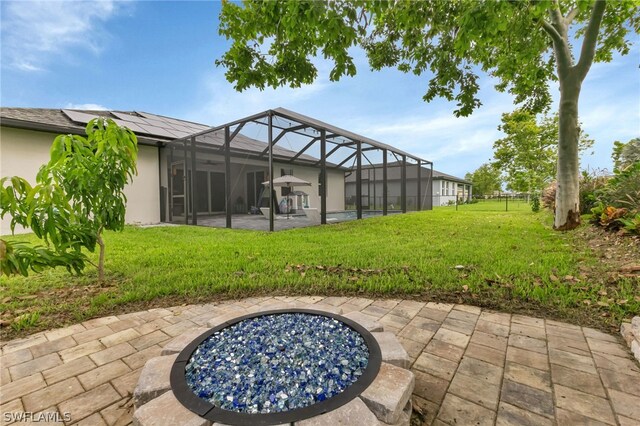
(145, 125)
(52, 117)
(153, 129)
(149, 127)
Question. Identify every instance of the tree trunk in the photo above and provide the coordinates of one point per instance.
(101, 259)
(568, 191)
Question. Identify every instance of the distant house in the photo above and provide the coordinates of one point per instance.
(439, 189)
(190, 172)
(448, 188)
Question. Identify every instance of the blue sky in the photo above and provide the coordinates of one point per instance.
(159, 57)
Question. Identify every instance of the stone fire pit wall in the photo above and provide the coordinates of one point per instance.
(631, 334)
(387, 401)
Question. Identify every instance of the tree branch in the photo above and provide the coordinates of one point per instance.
(556, 17)
(551, 30)
(588, 50)
(563, 56)
(571, 16)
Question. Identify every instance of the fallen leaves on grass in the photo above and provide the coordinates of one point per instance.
(629, 269)
(302, 269)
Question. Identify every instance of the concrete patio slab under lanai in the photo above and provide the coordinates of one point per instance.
(257, 222)
(471, 366)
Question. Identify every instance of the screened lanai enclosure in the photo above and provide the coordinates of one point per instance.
(224, 176)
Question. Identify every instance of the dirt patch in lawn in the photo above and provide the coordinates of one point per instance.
(618, 253)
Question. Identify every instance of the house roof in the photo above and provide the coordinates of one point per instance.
(151, 129)
(394, 172)
(443, 176)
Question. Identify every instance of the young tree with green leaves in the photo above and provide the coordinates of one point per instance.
(78, 195)
(528, 153)
(486, 179)
(524, 44)
(625, 154)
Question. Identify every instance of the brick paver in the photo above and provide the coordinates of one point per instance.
(471, 366)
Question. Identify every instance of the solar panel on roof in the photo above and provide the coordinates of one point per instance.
(84, 118)
(184, 129)
(157, 117)
(167, 123)
(155, 123)
(136, 128)
(181, 133)
(159, 131)
(79, 117)
(197, 126)
(174, 121)
(128, 117)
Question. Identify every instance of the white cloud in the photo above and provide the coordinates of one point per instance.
(223, 103)
(26, 66)
(442, 136)
(37, 32)
(93, 107)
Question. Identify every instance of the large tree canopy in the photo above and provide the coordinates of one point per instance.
(527, 154)
(486, 179)
(524, 44)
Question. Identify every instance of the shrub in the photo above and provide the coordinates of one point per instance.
(548, 197)
(535, 203)
(590, 185)
(631, 224)
(618, 202)
(623, 189)
(608, 217)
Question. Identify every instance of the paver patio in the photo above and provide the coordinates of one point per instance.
(471, 366)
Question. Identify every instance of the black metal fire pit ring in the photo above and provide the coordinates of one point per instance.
(205, 409)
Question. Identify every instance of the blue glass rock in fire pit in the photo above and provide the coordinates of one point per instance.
(276, 363)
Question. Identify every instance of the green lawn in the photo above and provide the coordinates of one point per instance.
(511, 261)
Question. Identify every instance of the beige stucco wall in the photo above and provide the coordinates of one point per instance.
(143, 194)
(335, 185)
(22, 152)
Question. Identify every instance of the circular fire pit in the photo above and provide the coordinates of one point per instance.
(286, 364)
(275, 367)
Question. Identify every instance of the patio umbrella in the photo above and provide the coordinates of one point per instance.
(289, 182)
